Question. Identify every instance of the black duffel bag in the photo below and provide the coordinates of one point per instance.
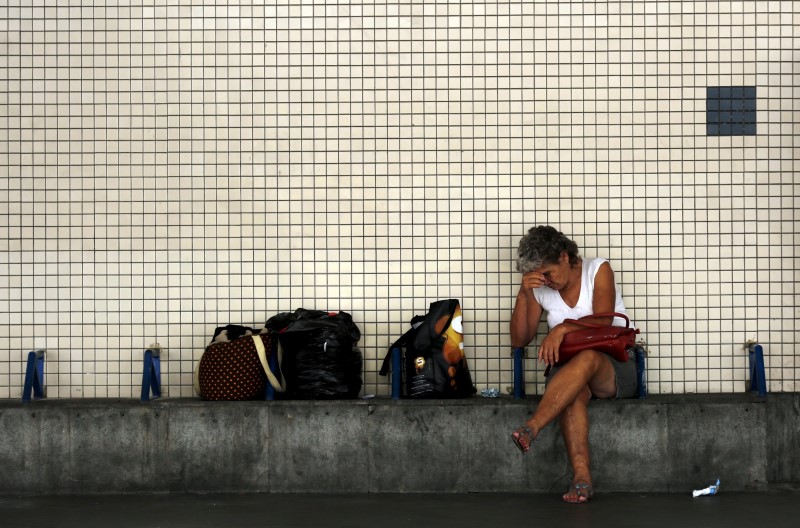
(321, 359)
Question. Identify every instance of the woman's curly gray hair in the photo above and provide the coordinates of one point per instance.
(544, 245)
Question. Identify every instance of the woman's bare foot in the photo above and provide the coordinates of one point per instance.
(579, 493)
(523, 438)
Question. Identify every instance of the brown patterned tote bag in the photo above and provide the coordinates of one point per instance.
(238, 369)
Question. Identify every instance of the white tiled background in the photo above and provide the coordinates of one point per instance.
(168, 168)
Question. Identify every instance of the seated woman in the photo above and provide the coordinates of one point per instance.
(558, 281)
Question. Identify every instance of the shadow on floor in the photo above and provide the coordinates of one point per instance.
(485, 510)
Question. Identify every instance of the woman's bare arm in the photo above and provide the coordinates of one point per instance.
(525, 318)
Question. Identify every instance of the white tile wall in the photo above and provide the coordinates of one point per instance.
(168, 168)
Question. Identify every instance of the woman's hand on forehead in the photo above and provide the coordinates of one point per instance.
(534, 279)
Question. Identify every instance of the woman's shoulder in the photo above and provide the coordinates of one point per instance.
(592, 265)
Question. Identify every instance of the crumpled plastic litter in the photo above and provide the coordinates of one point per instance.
(490, 393)
(711, 490)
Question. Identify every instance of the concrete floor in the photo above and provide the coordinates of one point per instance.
(484, 510)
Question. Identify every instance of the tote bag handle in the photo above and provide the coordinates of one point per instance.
(279, 386)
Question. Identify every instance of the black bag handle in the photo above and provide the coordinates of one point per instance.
(402, 340)
(427, 335)
(423, 335)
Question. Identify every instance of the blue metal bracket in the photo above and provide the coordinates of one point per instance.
(641, 372)
(397, 373)
(758, 379)
(151, 374)
(274, 366)
(519, 373)
(34, 377)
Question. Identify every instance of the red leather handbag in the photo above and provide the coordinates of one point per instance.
(612, 340)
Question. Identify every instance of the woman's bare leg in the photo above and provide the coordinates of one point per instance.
(567, 396)
(589, 370)
(574, 422)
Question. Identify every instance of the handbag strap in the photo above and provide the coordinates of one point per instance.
(401, 342)
(581, 321)
(279, 386)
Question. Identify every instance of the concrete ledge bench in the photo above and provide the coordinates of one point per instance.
(665, 443)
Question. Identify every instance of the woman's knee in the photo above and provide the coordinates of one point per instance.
(590, 359)
(599, 372)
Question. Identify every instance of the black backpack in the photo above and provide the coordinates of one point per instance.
(433, 363)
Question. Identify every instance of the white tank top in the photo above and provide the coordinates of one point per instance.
(557, 310)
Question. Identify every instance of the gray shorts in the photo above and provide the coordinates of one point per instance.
(624, 375)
